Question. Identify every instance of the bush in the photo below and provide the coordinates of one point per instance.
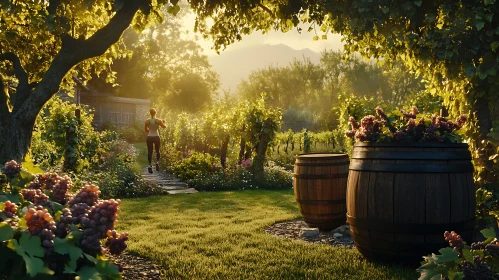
(195, 165)
(240, 178)
(130, 134)
(48, 232)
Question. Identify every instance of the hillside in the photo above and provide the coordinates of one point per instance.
(236, 65)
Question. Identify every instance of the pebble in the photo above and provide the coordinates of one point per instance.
(337, 235)
(292, 230)
(309, 232)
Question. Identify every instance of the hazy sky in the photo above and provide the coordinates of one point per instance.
(292, 39)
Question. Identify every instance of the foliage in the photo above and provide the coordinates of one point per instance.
(242, 178)
(487, 200)
(44, 230)
(163, 67)
(49, 137)
(480, 260)
(194, 165)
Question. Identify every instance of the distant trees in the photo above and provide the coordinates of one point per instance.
(307, 91)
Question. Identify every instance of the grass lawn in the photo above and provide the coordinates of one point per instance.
(220, 235)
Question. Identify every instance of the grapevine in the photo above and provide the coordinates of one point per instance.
(41, 223)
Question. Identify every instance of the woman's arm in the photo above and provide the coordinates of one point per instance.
(146, 126)
(162, 123)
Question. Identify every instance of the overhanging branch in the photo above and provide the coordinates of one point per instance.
(19, 71)
(74, 51)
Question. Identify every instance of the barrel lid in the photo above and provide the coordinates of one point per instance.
(322, 155)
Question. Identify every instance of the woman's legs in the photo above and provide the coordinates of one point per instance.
(157, 145)
(149, 142)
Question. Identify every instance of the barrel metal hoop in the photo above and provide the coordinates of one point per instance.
(315, 202)
(320, 176)
(412, 168)
(415, 145)
(424, 155)
(322, 163)
(367, 224)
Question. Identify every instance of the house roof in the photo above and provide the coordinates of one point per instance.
(109, 97)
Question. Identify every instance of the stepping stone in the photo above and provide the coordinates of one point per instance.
(171, 188)
(189, 190)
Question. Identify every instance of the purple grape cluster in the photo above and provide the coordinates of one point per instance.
(116, 242)
(60, 190)
(41, 223)
(101, 219)
(492, 249)
(410, 115)
(11, 169)
(454, 239)
(62, 226)
(88, 194)
(370, 129)
(35, 196)
(478, 270)
(79, 211)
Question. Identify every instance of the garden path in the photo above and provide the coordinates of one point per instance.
(168, 182)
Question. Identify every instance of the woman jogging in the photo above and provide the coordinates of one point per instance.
(151, 126)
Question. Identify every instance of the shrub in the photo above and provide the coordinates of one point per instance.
(46, 230)
(480, 260)
(195, 165)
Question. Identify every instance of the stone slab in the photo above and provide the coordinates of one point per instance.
(189, 190)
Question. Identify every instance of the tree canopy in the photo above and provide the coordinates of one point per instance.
(453, 44)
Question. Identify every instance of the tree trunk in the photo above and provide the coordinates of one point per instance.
(223, 151)
(482, 114)
(242, 148)
(261, 150)
(15, 137)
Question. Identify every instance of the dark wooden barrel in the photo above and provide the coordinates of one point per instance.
(401, 198)
(320, 183)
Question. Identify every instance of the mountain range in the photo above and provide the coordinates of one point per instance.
(236, 65)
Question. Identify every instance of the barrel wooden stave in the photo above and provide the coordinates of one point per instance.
(396, 199)
(321, 201)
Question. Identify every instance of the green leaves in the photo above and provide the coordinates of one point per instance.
(173, 10)
(31, 250)
(447, 255)
(6, 231)
(68, 246)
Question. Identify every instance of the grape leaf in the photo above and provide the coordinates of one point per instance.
(106, 268)
(488, 233)
(87, 273)
(447, 255)
(467, 254)
(67, 246)
(31, 250)
(6, 232)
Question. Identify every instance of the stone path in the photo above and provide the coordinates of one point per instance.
(167, 182)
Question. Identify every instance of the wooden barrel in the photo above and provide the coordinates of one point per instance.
(402, 197)
(320, 183)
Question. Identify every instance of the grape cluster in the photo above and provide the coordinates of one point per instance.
(60, 190)
(35, 196)
(41, 223)
(492, 249)
(89, 194)
(79, 211)
(454, 240)
(477, 246)
(411, 115)
(62, 226)
(370, 129)
(116, 242)
(10, 209)
(478, 270)
(9, 213)
(101, 219)
(11, 169)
